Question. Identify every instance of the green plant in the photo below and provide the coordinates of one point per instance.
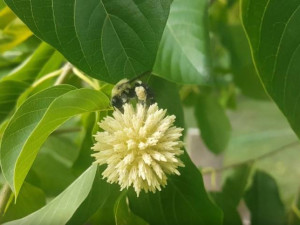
(60, 61)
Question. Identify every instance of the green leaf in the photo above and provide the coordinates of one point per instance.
(245, 75)
(102, 195)
(182, 201)
(183, 54)
(33, 66)
(61, 209)
(9, 92)
(52, 166)
(84, 158)
(264, 202)
(232, 193)
(108, 40)
(123, 214)
(30, 199)
(16, 82)
(13, 34)
(6, 16)
(167, 96)
(213, 122)
(35, 120)
(272, 29)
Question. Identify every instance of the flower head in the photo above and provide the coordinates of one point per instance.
(140, 147)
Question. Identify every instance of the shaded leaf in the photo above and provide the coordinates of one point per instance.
(9, 92)
(30, 199)
(108, 40)
(183, 54)
(213, 122)
(231, 195)
(264, 202)
(123, 214)
(182, 201)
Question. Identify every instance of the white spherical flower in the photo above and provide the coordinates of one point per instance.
(140, 147)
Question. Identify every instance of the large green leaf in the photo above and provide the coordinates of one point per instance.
(61, 209)
(264, 202)
(35, 120)
(106, 39)
(182, 201)
(213, 122)
(273, 31)
(167, 96)
(183, 54)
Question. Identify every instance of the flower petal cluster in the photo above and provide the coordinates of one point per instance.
(140, 147)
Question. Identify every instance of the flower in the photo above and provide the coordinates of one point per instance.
(140, 147)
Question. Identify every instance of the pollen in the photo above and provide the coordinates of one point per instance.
(140, 147)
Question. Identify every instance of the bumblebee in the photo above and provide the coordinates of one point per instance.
(128, 90)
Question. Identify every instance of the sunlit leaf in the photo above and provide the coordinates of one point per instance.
(35, 120)
(61, 209)
(13, 34)
(183, 54)
(264, 202)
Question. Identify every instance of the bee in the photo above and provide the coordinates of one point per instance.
(127, 90)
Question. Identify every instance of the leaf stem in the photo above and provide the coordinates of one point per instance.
(85, 79)
(46, 77)
(4, 198)
(65, 71)
(249, 161)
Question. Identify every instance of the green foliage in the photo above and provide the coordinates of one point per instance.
(272, 29)
(36, 119)
(107, 40)
(264, 201)
(213, 122)
(56, 81)
(67, 202)
(185, 42)
(231, 195)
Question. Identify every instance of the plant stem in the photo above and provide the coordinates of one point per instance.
(85, 78)
(249, 161)
(4, 197)
(65, 71)
(46, 77)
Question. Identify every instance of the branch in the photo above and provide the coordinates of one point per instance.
(249, 161)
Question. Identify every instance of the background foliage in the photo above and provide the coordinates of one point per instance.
(220, 66)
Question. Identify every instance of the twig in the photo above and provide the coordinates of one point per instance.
(249, 161)
(85, 79)
(46, 77)
(65, 71)
(4, 197)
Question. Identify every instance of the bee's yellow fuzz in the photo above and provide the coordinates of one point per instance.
(140, 147)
